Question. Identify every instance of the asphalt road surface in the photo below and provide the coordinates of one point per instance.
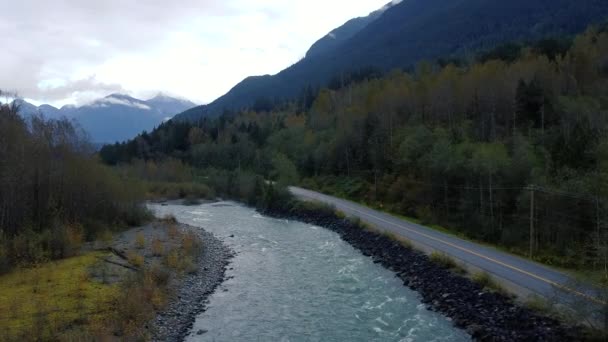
(526, 274)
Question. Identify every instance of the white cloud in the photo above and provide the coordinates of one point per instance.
(123, 102)
(73, 51)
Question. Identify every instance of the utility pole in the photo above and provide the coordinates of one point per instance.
(375, 184)
(597, 217)
(532, 233)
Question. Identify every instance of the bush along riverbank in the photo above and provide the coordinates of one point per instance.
(177, 267)
(175, 322)
(146, 283)
(486, 315)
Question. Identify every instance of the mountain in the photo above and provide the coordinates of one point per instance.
(26, 109)
(343, 33)
(50, 111)
(116, 117)
(169, 106)
(406, 32)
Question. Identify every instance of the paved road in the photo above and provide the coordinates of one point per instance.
(521, 272)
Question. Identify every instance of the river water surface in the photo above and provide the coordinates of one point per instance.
(291, 281)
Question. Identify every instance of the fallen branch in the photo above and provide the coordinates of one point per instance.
(133, 268)
(118, 253)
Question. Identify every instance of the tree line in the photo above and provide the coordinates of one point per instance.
(54, 192)
(510, 151)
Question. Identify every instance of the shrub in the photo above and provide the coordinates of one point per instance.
(136, 215)
(133, 307)
(402, 241)
(172, 259)
(157, 247)
(181, 260)
(538, 304)
(172, 190)
(188, 265)
(30, 248)
(160, 274)
(447, 262)
(487, 282)
(425, 214)
(4, 258)
(140, 241)
(356, 221)
(74, 236)
(191, 244)
(135, 259)
(173, 231)
(169, 219)
(105, 237)
(191, 200)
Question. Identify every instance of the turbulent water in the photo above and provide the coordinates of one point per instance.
(295, 282)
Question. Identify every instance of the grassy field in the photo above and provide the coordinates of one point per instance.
(99, 296)
(54, 300)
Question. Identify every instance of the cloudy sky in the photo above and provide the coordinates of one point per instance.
(72, 51)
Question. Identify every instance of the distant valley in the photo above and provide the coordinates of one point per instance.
(116, 117)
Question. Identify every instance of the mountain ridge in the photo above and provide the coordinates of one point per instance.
(115, 117)
(410, 31)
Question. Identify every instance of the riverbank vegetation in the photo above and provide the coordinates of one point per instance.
(99, 295)
(509, 149)
(60, 209)
(55, 194)
(41, 302)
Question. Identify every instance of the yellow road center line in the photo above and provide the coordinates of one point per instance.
(563, 287)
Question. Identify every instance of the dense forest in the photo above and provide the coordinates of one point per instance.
(510, 150)
(56, 194)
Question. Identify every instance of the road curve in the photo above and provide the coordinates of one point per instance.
(524, 273)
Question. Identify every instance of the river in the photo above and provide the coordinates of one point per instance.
(291, 281)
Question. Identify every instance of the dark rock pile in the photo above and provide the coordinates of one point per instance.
(485, 315)
(176, 321)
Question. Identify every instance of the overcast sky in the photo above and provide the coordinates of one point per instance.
(73, 51)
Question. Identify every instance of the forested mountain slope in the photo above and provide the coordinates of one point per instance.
(414, 30)
(465, 147)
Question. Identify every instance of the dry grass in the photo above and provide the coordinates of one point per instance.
(173, 231)
(487, 282)
(402, 241)
(135, 259)
(140, 240)
(53, 301)
(183, 257)
(139, 298)
(172, 259)
(191, 244)
(447, 262)
(59, 301)
(539, 304)
(105, 237)
(74, 238)
(170, 219)
(157, 247)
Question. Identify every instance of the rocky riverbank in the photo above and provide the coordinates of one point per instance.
(485, 315)
(175, 321)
